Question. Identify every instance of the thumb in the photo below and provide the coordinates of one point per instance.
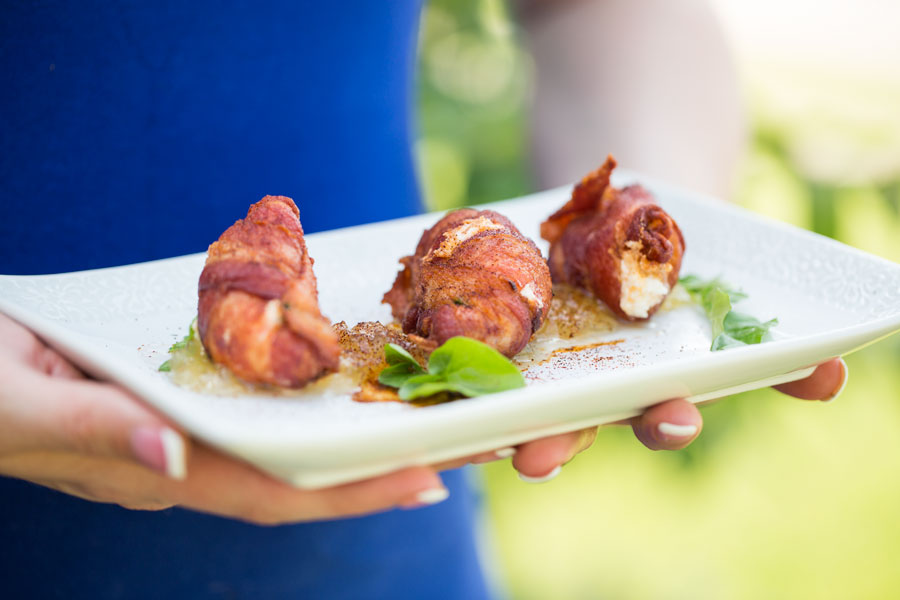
(101, 419)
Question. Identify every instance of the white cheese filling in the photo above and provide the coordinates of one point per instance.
(644, 283)
(462, 232)
(272, 313)
(527, 292)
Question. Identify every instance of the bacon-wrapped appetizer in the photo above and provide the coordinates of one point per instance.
(473, 274)
(259, 309)
(617, 244)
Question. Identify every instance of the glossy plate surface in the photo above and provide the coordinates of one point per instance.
(118, 323)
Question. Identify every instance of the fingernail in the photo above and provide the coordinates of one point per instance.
(161, 449)
(428, 497)
(433, 496)
(556, 471)
(844, 380)
(176, 459)
(673, 430)
(505, 452)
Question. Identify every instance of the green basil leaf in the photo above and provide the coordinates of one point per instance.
(470, 382)
(401, 367)
(396, 355)
(460, 353)
(396, 375)
(421, 386)
(165, 367)
(460, 365)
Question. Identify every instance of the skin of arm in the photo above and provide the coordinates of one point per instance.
(651, 81)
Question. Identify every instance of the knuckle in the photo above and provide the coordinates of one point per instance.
(79, 426)
(588, 437)
(89, 427)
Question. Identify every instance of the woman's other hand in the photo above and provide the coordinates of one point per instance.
(96, 441)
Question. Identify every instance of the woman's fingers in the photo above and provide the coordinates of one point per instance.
(498, 454)
(671, 425)
(95, 419)
(230, 487)
(542, 460)
(414, 487)
(826, 382)
(223, 485)
(674, 424)
(47, 406)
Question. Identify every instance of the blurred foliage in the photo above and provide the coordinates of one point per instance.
(473, 84)
(777, 498)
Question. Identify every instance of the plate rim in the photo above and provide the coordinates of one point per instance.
(248, 443)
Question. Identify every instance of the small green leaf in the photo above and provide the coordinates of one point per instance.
(723, 340)
(180, 345)
(746, 328)
(698, 288)
(729, 328)
(192, 328)
(421, 386)
(717, 305)
(396, 355)
(396, 375)
(401, 366)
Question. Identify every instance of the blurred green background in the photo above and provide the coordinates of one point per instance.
(778, 498)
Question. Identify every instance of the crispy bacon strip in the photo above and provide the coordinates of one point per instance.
(615, 243)
(258, 305)
(473, 274)
(585, 200)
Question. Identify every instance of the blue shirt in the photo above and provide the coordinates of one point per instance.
(142, 130)
(135, 131)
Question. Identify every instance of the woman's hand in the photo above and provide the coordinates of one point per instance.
(96, 441)
(671, 425)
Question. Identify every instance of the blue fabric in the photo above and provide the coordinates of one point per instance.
(55, 546)
(135, 131)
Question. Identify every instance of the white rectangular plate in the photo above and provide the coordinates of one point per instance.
(117, 324)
